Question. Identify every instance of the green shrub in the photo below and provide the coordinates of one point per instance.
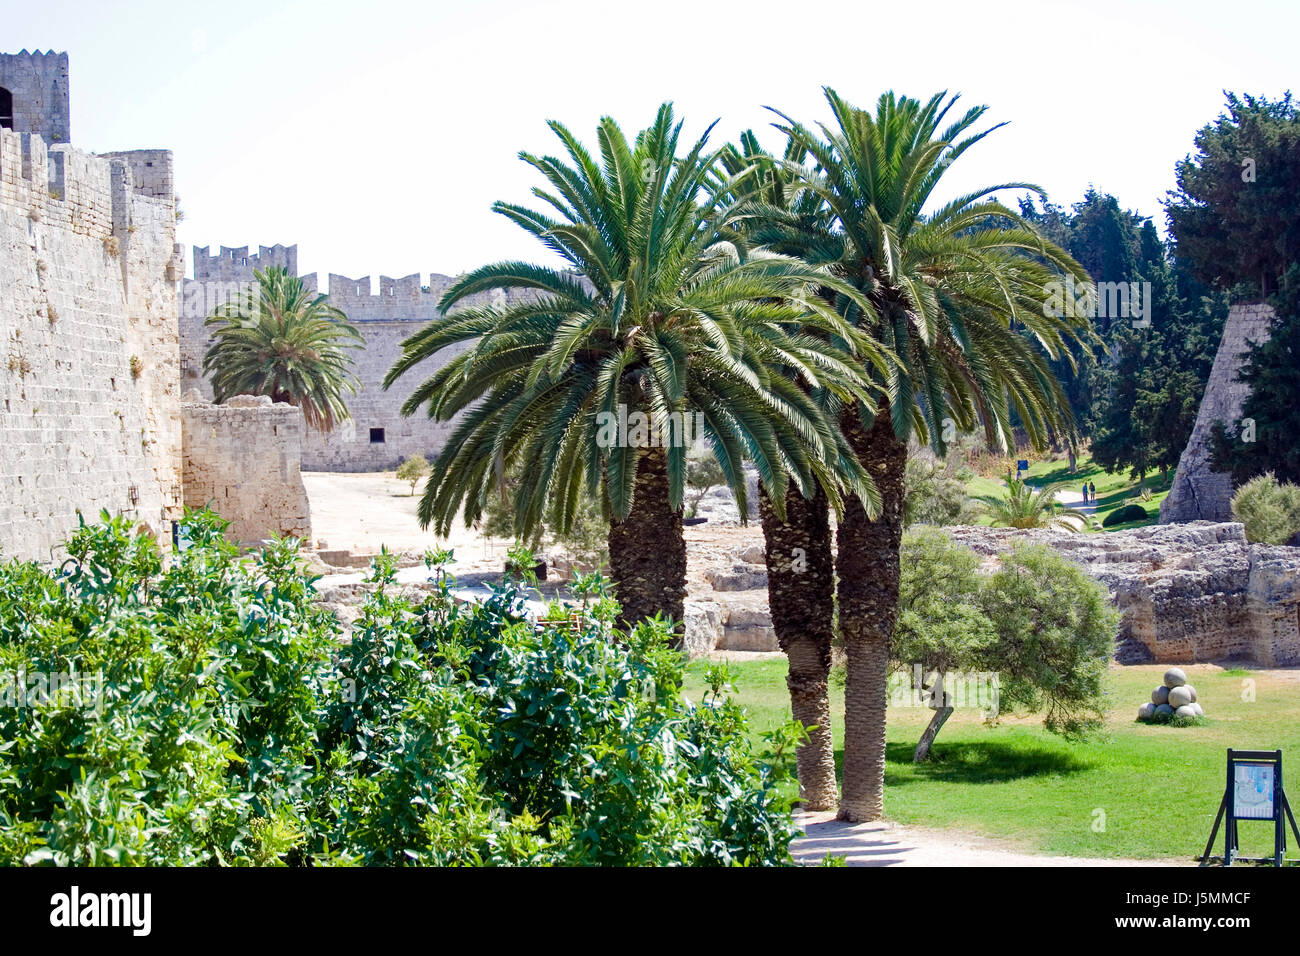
(412, 470)
(1269, 509)
(703, 473)
(234, 726)
(1124, 515)
(940, 623)
(935, 495)
(1056, 635)
(1039, 622)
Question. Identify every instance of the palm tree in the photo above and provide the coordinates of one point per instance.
(286, 342)
(657, 315)
(797, 545)
(1024, 506)
(957, 297)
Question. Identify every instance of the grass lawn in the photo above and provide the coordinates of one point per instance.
(1113, 491)
(1158, 786)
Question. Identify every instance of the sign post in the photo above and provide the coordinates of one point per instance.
(1254, 792)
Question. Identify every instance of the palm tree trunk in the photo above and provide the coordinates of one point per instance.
(647, 551)
(800, 592)
(868, 566)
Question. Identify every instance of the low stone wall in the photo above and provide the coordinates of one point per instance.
(243, 460)
(1188, 592)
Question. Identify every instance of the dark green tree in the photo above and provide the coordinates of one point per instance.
(1236, 211)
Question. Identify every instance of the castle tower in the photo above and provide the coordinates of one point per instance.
(34, 94)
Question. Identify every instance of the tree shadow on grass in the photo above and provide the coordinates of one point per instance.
(978, 762)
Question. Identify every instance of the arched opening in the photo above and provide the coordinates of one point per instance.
(6, 108)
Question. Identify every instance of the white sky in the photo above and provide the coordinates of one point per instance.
(376, 135)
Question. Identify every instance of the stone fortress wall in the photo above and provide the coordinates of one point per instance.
(377, 437)
(89, 374)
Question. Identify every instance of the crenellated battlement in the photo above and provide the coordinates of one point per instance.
(234, 262)
(408, 297)
(84, 193)
(386, 312)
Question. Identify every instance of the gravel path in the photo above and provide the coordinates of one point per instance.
(1074, 499)
(893, 844)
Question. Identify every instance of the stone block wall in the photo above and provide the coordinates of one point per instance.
(89, 372)
(242, 460)
(38, 85)
(1198, 492)
(377, 437)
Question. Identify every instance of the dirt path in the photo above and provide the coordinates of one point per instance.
(894, 844)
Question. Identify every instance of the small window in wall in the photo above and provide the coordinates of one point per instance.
(376, 436)
(6, 108)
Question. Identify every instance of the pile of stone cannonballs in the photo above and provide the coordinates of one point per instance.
(1174, 698)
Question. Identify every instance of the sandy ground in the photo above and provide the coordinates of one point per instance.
(362, 512)
(893, 844)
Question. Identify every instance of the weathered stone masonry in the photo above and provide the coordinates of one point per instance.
(1198, 492)
(89, 373)
(242, 460)
(377, 437)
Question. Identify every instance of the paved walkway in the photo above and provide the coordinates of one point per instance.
(893, 844)
(1074, 499)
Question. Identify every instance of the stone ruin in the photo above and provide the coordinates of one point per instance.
(242, 460)
(1199, 493)
(1188, 592)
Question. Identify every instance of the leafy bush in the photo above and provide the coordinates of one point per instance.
(703, 473)
(586, 541)
(1124, 515)
(233, 726)
(1056, 635)
(1039, 622)
(1269, 509)
(941, 625)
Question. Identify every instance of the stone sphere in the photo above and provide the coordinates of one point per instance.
(1174, 677)
(1179, 697)
(1146, 710)
(1200, 711)
(1187, 710)
(1160, 695)
(1191, 690)
(1164, 710)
